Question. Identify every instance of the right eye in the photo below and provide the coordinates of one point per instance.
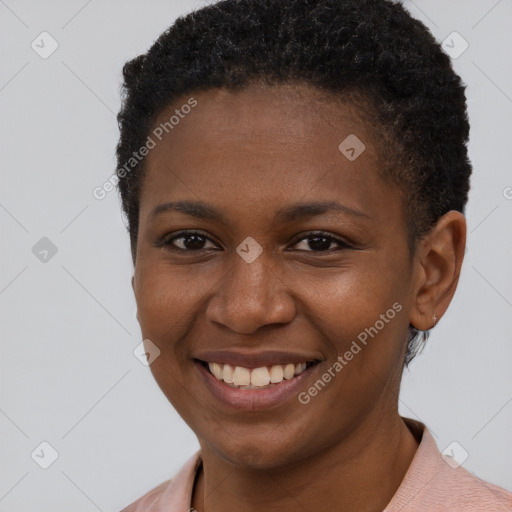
(187, 241)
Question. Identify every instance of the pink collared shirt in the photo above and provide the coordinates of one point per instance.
(432, 483)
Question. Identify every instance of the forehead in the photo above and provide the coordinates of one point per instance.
(264, 145)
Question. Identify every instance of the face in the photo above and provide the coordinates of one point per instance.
(278, 248)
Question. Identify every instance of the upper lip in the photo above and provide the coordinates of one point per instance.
(256, 359)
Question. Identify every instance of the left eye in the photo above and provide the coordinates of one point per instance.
(320, 242)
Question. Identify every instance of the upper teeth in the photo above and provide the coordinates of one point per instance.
(240, 376)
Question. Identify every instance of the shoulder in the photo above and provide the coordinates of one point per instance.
(173, 494)
(457, 489)
(437, 483)
(148, 502)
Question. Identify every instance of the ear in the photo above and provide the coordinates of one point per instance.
(438, 261)
(133, 288)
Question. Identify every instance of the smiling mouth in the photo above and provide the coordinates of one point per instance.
(239, 377)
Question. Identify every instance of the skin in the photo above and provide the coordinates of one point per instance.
(247, 154)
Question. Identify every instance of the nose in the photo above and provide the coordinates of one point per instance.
(250, 296)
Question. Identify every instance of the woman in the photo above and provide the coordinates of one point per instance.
(294, 175)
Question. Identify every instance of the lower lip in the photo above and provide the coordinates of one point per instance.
(254, 399)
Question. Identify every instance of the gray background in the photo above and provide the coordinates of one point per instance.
(68, 327)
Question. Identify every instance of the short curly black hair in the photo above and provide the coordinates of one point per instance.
(371, 50)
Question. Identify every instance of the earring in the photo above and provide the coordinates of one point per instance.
(435, 318)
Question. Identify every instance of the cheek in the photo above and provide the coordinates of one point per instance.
(348, 300)
(361, 317)
(166, 300)
(362, 324)
(165, 303)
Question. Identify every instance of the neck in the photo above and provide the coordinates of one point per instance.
(362, 472)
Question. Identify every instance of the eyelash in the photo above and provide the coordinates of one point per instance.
(168, 243)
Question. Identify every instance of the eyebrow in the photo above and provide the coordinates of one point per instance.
(286, 214)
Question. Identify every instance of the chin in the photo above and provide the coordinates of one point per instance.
(256, 455)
